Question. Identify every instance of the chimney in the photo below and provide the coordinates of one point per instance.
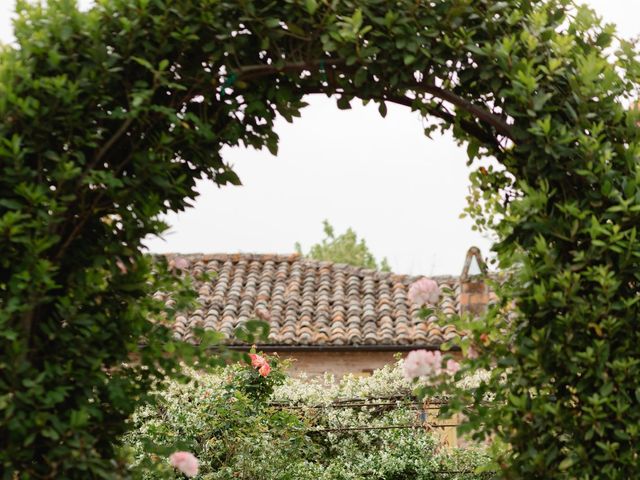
(474, 292)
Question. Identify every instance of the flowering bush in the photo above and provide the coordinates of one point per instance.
(294, 431)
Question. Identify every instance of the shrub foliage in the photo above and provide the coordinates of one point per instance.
(108, 117)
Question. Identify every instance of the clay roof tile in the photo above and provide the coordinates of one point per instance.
(309, 302)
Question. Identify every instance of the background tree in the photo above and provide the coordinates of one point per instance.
(345, 248)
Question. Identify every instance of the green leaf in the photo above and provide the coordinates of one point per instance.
(356, 19)
(382, 109)
(272, 22)
(344, 103)
(567, 463)
(409, 58)
(472, 149)
(360, 77)
(311, 6)
(145, 63)
(475, 49)
(228, 176)
(10, 204)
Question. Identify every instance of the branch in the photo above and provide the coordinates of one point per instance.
(256, 71)
(114, 138)
(77, 229)
(482, 114)
(469, 127)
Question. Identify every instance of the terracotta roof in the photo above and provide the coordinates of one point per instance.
(309, 302)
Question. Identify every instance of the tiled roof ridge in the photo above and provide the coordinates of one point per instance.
(292, 257)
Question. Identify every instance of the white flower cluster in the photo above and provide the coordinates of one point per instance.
(473, 381)
(386, 382)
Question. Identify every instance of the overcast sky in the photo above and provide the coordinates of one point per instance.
(399, 190)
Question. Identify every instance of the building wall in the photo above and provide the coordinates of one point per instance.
(357, 362)
(316, 363)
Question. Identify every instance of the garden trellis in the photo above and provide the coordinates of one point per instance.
(424, 419)
(426, 411)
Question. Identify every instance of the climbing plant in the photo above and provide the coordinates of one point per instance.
(109, 116)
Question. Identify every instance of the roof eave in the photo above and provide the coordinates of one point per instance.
(339, 348)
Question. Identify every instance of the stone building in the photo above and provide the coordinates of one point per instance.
(327, 317)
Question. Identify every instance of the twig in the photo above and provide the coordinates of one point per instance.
(114, 138)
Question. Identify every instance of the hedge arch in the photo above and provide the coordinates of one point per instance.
(108, 117)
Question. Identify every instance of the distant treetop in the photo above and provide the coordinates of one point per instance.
(344, 248)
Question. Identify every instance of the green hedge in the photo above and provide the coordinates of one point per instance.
(108, 117)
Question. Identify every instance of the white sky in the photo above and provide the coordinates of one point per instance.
(399, 190)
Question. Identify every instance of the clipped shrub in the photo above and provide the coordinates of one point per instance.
(109, 117)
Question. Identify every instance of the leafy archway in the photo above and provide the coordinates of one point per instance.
(109, 116)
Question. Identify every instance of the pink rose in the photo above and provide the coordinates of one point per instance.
(261, 363)
(420, 363)
(179, 263)
(185, 462)
(424, 291)
(256, 360)
(434, 360)
(472, 353)
(452, 367)
(414, 365)
(264, 369)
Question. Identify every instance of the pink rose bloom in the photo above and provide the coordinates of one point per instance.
(121, 266)
(452, 367)
(472, 353)
(185, 462)
(434, 360)
(257, 361)
(420, 363)
(179, 263)
(264, 369)
(424, 291)
(261, 363)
